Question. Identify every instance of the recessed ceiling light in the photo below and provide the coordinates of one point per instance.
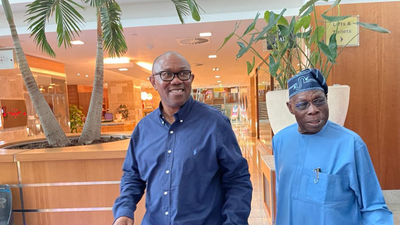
(116, 60)
(147, 66)
(123, 69)
(215, 69)
(212, 56)
(78, 74)
(218, 81)
(106, 84)
(217, 76)
(77, 42)
(87, 75)
(205, 34)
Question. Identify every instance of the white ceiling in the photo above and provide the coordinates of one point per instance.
(151, 27)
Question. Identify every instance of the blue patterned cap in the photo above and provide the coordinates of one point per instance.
(307, 80)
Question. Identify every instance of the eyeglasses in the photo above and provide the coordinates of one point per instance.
(183, 75)
(304, 105)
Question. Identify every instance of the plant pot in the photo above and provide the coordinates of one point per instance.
(280, 117)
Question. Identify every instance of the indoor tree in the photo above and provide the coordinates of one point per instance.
(52, 129)
(68, 20)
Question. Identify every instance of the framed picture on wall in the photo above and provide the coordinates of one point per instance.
(13, 112)
(8, 59)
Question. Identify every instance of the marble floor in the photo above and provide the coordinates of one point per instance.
(258, 214)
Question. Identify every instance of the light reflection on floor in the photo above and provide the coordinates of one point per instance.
(257, 215)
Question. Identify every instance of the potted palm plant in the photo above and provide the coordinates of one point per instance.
(68, 22)
(294, 46)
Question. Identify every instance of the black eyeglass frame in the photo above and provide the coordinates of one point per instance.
(175, 75)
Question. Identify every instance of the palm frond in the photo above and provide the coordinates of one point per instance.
(186, 7)
(97, 3)
(67, 20)
(40, 12)
(113, 37)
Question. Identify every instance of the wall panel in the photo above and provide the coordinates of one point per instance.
(372, 73)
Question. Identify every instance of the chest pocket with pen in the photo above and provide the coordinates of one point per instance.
(323, 188)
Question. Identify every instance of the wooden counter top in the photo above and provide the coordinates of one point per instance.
(269, 161)
(8, 155)
(117, 123)
(110, 150)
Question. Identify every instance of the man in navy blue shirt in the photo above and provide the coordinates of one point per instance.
(186, 156)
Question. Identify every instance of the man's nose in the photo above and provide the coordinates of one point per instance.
(312, 109)
(176, 80)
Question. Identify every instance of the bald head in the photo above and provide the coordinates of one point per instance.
(165, 57)
(174, 93)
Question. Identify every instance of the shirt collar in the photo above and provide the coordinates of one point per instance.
(182, 113)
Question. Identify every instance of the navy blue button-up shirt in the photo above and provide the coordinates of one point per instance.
(193, 170)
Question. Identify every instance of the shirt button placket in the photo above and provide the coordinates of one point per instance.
(167, 172)
(166, 192)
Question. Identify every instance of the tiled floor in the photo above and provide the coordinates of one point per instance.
(257, 215)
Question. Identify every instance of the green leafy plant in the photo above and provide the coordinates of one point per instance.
(295, 45)
(123, 109)
(75, 117)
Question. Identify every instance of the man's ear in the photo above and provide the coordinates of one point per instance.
(153, 82)
(290, 107)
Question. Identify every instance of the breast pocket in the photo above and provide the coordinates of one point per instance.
(324, 189)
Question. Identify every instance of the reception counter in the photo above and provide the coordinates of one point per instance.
(114, 126)
(72, 185)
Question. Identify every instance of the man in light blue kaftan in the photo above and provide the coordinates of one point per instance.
(324, 174)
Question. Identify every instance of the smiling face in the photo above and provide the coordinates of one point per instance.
(173, 93)
(313, 118)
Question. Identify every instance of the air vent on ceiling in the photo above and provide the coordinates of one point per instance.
(193, 41)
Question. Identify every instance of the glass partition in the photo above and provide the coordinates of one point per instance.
(53, 90)
(263, 126)
(231, 101)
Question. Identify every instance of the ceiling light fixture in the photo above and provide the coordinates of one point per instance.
(217, 76)
(215, 69)
(212, 56)
(77, 42)
(87, 75)
(78, 74)
(218, 81)
(123, 69)
(145, 65)
(116, 60)
(205, 34)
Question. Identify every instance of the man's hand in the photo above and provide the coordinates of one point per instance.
(123, 220)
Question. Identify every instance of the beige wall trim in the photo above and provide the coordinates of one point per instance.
(64, 210)
(65, 184)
